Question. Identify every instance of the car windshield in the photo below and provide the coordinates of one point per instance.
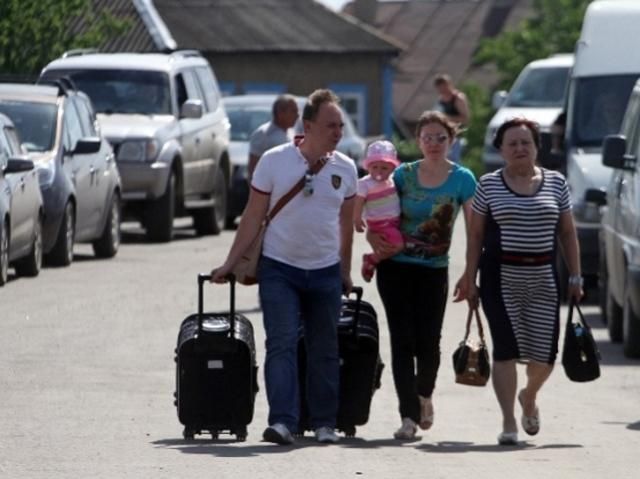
(598, 105)
(244, 120)
(539, 88)
(35, 122)
(123, 91)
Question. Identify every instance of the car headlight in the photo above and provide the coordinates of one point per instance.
(138, 150)
(46, 172)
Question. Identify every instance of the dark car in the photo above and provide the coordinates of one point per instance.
(621, 231)
(21, 209)
(78, 176)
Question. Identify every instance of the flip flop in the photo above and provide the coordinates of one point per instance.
(530, 424)
(508, 438)
(426, 413)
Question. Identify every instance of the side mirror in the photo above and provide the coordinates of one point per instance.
(593, 195)
(613, 153)
(498, 99)
(19, 165)
(191, 109)
(87, 146)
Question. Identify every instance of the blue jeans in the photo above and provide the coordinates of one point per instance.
(290, 297)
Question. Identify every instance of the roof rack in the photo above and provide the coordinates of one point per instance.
(64, 84)
(79, 52)
(186, 53)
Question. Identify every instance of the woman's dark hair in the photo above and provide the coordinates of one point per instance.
(530, 125)
(432, 116)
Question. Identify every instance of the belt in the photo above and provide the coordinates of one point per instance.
(526, 259)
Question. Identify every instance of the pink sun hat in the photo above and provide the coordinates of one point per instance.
(380, 150)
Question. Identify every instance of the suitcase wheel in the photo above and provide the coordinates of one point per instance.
(188, 433)
(241, 434)
(214, 435)
(349, 431)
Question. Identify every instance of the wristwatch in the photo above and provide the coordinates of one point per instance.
(576, 280)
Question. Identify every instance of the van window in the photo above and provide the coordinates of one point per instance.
(539, 88)
(598, 105)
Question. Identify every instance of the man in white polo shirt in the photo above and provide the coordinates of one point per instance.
(305, 264)
(277, 131)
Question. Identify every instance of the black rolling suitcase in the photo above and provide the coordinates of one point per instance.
(216, 373)
(360, 365)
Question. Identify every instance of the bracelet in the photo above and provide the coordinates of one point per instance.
(576, 280)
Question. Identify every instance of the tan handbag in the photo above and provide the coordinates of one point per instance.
(471, 359)
(246, 269)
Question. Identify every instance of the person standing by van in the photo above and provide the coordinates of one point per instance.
(453, 103)
(277, 131)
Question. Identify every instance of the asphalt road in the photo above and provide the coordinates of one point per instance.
(87, 378)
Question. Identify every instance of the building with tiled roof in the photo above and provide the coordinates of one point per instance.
(440, 36)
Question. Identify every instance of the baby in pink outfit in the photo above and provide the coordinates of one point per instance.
(377, 205)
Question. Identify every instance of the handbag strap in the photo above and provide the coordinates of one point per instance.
(284, 199)
(581, 318)
(473, 312)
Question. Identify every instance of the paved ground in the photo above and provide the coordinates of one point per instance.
(87, 377)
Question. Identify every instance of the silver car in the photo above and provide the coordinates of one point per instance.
(21, 209)
(78, 176)
(163, 116)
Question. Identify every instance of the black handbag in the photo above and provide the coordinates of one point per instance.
(471, 358)
(580, 355)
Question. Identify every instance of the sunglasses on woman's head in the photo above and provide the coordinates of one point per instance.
(439, 139)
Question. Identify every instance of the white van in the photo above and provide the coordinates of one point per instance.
(537, 94)
(606, 66)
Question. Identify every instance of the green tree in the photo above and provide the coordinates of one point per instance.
(33, 32)
(554, 27)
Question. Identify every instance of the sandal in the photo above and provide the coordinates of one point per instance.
(508, 438)
(530, 424)
(426, 413)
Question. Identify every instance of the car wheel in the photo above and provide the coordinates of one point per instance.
(631, 328)
(107, 245)
(159, 218)
(62, 252)
(614, 318)
(4, 253)
(32, 264)
(211, 221)
(230, 222)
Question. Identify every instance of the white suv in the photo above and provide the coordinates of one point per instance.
(163, 115)
(538, 94)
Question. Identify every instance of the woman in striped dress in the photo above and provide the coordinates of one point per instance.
(520, 213)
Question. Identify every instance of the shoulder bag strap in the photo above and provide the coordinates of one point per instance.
(284, 199)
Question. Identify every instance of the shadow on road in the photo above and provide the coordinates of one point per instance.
(230, 447)
(459, 447)
(634, 426)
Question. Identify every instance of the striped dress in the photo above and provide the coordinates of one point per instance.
(518, 279)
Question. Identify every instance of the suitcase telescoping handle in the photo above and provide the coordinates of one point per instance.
(202, 277)
(357, 290)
